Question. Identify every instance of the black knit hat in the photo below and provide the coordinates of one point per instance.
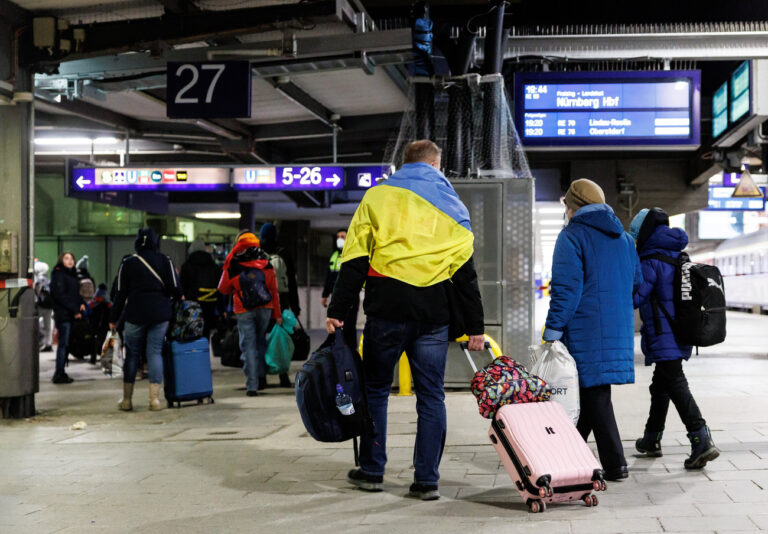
(656, 217)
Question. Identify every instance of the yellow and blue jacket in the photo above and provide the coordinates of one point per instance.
(409, 237)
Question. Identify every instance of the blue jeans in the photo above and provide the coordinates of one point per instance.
(144, 339)
(427, 347)
(252, 328)
(64, 328)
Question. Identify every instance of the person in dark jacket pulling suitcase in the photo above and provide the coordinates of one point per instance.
(411, 244)
(67, 306)
(199, 280)
(246, 258)
(146, 287)
(650, 229)
(595, 270)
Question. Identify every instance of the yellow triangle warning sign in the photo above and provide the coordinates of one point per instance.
(747, 187)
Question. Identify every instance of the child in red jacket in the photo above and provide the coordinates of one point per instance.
(246, 273)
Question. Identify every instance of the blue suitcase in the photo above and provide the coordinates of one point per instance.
(187, 370)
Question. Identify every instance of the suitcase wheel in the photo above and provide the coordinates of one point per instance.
(537, 506)
(597, 485)
(590, 500)
(199, 401)
(211, 401)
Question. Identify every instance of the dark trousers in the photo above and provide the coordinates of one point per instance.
(64, 328)
(669, 383)
(597, 416)
(427, 348)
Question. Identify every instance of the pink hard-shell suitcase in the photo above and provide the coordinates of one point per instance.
(545, 455)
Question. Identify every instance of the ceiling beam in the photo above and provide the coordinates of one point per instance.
(92, 113)
(397, 42)
(300, 97)
(124, 36)
(313, 129)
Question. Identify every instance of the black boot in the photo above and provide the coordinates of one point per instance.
(262, 383)
(703, 449)
(62, 378)
(650, 444)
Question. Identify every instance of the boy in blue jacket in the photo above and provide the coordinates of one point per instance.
(650, 229)
(595, 269)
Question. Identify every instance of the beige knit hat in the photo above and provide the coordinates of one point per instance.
(583, 192)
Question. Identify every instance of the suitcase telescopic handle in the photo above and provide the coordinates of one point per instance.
(465, 347)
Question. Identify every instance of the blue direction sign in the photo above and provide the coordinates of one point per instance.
(365, 177)
(720, 199)
(149, 178)
(297, 178)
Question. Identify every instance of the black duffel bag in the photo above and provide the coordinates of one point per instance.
(316, 393)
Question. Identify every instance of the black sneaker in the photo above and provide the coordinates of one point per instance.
(365, 482)
(62, 378)
(425, 492)
(252, 393)
(617, 473)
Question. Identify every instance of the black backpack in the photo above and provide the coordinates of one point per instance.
(253, 288)
(187, 323)
(699, 300)
(316, 393)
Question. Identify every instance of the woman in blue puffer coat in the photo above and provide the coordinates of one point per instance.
(659, 246)
(595, 269)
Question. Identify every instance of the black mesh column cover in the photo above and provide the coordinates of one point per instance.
(424, 103)
(459, 160)
(493, 93)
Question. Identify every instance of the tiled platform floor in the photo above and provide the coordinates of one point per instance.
(246, 464)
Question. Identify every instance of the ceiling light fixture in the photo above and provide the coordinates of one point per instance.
(218, 215)
(551, 222)
(72, 141)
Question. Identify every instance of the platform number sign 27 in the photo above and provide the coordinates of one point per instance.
(209, 90)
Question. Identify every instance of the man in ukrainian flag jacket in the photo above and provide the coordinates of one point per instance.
(411, 244)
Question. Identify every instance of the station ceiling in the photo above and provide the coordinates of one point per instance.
(334, 67)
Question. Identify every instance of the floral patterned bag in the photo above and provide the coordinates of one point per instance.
(504, 381)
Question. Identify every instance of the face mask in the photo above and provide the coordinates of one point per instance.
(340, 243)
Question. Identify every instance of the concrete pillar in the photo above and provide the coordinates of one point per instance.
(19, 358)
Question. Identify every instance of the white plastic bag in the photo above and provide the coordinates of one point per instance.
(553, 363)
(112, 357)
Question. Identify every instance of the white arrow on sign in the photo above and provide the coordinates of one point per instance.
(334, 179)
(82, 182)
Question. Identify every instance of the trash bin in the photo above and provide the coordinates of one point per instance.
(19, 349)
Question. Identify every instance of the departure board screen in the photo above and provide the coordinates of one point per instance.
(720, 110)
(608, 108)
(740, 99)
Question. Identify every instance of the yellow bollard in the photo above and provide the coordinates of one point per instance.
(404, 377)
(404, 373)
